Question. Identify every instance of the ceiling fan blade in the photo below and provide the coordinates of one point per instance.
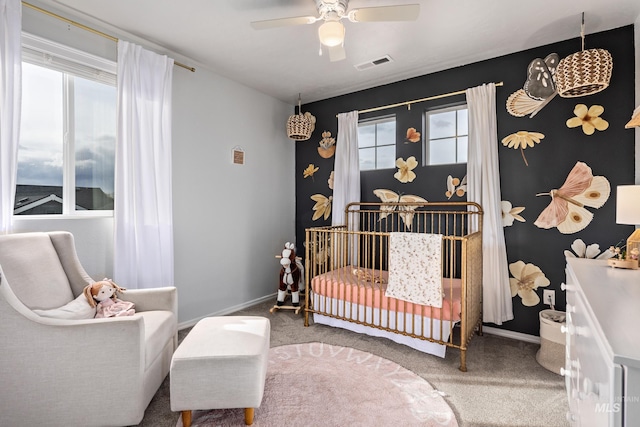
(337, 53)
(283, 22)
(406, 12)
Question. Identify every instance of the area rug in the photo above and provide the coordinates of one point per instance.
(317, 384)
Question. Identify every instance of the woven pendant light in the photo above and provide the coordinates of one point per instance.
(585, 72)
(300, 126)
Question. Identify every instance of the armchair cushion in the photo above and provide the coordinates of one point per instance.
(77, 309)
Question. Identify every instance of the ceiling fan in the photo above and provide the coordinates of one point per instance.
(331, 32)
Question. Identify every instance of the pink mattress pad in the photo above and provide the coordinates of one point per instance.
(343, 284)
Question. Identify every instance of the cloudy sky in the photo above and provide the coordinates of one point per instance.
(40, 157)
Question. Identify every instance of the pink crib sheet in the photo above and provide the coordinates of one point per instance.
(346, 285)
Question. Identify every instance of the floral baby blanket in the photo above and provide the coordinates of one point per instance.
(415, 268)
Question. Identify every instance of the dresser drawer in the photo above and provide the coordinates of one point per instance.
(572, 365)
(603, 344)
(599, 403)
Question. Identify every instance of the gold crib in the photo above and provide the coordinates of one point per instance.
(347, 271)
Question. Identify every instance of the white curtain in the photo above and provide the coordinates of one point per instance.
(483, 178)
(143, 240)
(346, 177)
(10, 105)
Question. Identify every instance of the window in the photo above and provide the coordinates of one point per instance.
(66, 155)
(377, 143)
(447, 136)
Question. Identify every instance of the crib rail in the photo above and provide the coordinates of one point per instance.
(357, 253)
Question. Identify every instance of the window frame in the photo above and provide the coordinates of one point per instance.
(427, 131)
(377, 120)
(71, 63)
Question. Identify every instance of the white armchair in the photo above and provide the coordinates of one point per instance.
(59, 370)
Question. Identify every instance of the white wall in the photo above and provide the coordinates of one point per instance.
(229, 220)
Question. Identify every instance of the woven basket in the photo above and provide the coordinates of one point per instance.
(584, 73)
(299, 127)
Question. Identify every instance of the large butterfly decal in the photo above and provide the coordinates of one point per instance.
(539, 88)
(567, 209)
(406, 214)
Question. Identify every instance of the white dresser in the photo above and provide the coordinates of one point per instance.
(602, 367)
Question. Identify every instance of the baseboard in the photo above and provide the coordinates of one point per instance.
(511, 334)
(228, 310)
(488, 329)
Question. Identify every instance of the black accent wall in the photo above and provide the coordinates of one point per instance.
(609, 153)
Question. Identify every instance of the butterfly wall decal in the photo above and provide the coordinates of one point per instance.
(539, 88)
(407, 211)
(412, 135)
(567, 210)
(322, 208)
(456, 186)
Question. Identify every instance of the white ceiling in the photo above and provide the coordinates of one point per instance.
(282, 62)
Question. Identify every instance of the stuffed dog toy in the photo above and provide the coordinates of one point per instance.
(103, 296)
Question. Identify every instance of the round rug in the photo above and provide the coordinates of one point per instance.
(317, 384)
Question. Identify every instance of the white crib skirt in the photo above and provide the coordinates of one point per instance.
(379, 317)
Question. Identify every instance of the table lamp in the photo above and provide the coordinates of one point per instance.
(628, 212)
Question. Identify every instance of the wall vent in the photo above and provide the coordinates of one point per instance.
(373, 63)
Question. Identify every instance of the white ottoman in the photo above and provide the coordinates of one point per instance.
(221, 363)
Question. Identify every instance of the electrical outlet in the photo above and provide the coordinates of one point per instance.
(549, 297)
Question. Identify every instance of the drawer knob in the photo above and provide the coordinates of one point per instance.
(566, 287)
(565, 372)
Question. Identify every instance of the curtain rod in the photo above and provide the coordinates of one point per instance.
(89, 29)
(415, 101)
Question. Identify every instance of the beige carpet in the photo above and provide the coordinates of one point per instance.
(319, 384)
(504, 387)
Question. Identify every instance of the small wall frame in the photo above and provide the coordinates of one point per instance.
(237, 155)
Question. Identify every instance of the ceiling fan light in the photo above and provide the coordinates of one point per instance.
(331, 33)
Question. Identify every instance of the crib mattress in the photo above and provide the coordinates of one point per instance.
(342, 284)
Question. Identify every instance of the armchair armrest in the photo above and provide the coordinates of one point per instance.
(153, 299)
(45, 357)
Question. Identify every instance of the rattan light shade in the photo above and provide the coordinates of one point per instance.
(584, 73)
(299, 127)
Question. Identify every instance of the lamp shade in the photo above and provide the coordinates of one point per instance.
(635, 119)
(331, 33)
(628, 204)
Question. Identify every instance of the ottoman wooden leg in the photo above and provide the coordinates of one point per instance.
(186, 418)
(248, 416)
